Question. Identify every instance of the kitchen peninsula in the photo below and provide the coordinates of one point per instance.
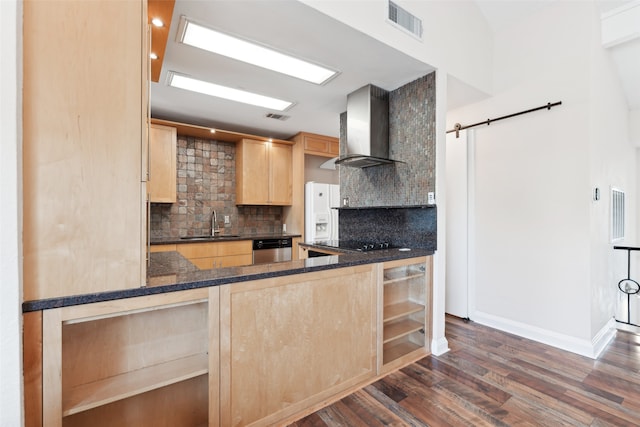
(294, 335)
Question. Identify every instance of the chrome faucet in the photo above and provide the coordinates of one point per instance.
(214, 224)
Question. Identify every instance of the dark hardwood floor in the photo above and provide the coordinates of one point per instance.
(491, 378)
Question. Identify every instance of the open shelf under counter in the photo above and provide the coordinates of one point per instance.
(401, 309)
(393, 275)
(399, 329)
(88, 396)
(399, 349)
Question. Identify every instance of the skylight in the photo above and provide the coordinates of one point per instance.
(245, 51)
(211, 89)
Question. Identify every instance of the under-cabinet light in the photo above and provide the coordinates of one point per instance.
(211, 89)
(242, 50)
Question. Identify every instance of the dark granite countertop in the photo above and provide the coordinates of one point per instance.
(222, 238)
(170, 272)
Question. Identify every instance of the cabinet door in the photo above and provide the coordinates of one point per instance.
(281, 174)
(83, 125)
(321, 145)
(162, 159)
(210, 255)
(290, 342)
(252, 173)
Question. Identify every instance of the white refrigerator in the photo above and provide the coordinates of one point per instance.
(320, 221)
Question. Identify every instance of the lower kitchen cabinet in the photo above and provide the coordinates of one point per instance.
(405, 315)
(261, 352)
(144, 361)
(208, 255)
(288, 343)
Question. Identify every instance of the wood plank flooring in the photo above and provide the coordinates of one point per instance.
(491, 378)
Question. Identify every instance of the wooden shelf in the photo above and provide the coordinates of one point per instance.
(92, 395)
(399, 329)
(396, 311)
(396, 351)
(393, 275)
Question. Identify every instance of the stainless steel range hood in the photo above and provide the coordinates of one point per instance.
(367, 128)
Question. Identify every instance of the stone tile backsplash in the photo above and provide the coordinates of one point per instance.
(206, 182)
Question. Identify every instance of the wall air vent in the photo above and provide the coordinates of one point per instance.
(403, 19)
(274, 116)
(617, 215)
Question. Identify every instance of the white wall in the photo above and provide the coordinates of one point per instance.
(313, 172)
(634, 127)
(10, 318)
(456, 36)
(543, 264)
(612, 163)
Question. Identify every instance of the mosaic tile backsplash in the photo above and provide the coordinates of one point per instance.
(206, 181)
(412, 111)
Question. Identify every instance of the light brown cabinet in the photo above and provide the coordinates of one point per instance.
(263, 173)
(191, 358)
(162, 164)
(210, 255)
(406, 302)
(290, 342)
(144, 361)
(84, 123)
(320, 145)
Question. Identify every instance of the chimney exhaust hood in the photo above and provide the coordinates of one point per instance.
(367, 128)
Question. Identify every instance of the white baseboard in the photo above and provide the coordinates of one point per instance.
(589, 348)
(439, 346)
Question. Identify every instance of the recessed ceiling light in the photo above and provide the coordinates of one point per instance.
(153, 55)
(188, 83)
(242, 50)
(157, 22)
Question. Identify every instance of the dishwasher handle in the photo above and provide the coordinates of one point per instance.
(263, 244)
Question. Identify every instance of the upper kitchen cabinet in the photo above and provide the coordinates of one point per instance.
(319, 145)
(84, 126)
(162, 164)
(263, 173)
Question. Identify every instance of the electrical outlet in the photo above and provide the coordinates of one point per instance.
(431, 197)
(226, 219)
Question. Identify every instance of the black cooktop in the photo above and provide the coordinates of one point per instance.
(356, 245)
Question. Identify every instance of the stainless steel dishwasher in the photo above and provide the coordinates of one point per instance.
(271, 250)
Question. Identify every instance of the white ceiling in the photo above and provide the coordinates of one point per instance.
(291, 27)
(298, 29)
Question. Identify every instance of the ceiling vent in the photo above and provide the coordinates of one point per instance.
(405, 20)
(274, 116)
